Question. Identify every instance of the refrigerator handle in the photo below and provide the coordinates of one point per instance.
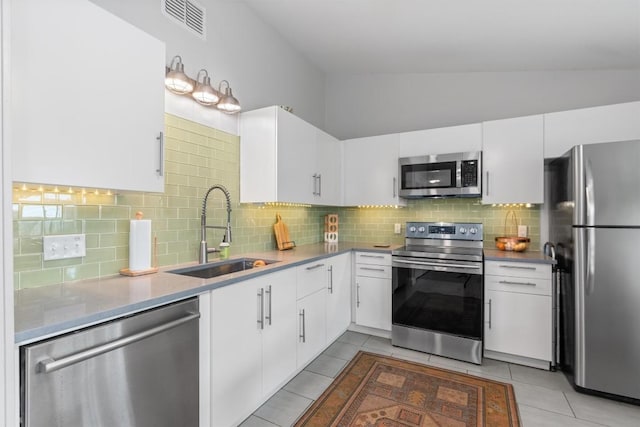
(589, 193)
(590, 237)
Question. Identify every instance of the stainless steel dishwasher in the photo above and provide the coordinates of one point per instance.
(140, 371)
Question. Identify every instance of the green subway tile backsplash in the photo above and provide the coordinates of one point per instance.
(196, 158)
(378, 224)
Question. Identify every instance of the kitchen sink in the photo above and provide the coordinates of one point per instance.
(220, 268)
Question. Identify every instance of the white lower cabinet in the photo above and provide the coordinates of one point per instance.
(253, 343)
(520, 324)
(518, 311)
(279, 333)
(338, 296)
(311, 305)
(373, 290)
(312, 327)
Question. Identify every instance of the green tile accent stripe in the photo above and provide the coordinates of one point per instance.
(198, 157)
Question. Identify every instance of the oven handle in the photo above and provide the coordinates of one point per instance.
(436, 264)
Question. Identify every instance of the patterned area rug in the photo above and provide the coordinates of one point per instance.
(383, 391)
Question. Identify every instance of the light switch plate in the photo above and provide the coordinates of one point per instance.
(522, 231)
(64, 246)
(397, 228)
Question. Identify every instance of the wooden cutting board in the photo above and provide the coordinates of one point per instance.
(282, 234)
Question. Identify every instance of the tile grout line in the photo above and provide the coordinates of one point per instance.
(563, 415)
(564, 394)
(264, 419)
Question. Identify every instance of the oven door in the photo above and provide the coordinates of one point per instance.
(438, 295)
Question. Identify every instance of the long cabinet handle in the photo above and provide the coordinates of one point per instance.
(261, 308)
(357, 294)
(320, 184)
(331, 279)
(270, 295)
(315, 184)
(489, 313)
(371, 256)
(303, 335)
(517, 267)
(395, 190)
(160, 169)
(313, 267)
(507, 282)
(438, 264)
(49, 364)
(487, 184)
(372, 269)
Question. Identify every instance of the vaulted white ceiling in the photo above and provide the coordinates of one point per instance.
(423, 36)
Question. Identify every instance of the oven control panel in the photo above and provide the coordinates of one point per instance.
(444, 230)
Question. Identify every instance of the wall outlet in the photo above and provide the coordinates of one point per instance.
(64, 246)
(397, 228)
(522, 231)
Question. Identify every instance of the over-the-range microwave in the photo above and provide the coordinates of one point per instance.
(441, 175)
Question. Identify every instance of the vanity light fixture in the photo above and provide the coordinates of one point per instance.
(228, 104)
(176, 80)
(203, 93)
(200, 89)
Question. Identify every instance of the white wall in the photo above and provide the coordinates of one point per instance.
(264, 69)
(376, 104)
(260, 66)
(8, 380)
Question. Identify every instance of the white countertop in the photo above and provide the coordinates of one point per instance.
(51, 310)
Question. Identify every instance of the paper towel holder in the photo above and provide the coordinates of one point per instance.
(154, 269)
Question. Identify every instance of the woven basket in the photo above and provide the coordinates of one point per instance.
(512, 242)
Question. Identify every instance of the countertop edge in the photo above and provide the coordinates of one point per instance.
(532, 257)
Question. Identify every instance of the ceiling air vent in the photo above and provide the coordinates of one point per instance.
(188, 13)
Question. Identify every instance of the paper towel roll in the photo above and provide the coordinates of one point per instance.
(140, 245)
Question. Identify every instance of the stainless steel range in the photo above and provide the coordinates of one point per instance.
(438, 289)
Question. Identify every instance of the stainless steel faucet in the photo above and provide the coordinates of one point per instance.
(204, 249)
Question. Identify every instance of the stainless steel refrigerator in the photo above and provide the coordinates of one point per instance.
(595, 225)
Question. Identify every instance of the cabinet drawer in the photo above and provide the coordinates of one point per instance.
(518, 269)
(373, 270)
(373, 258)
(311, 278)
(523, 285)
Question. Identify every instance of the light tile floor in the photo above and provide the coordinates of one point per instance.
(544, 398)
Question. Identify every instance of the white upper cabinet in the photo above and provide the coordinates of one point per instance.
(452, 139)
(513, 161)
(371, 171)
(285, 159)
(329, 169)
(608, 123)
(87, 98)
